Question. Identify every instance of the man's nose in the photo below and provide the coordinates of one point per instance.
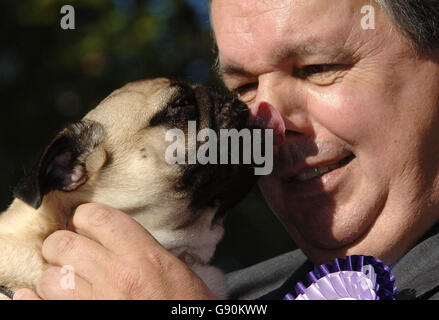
(264, 115)
(289, 99)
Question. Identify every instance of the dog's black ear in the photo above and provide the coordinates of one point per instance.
(62, 164)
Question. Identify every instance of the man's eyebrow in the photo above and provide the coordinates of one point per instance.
(279, 55)
(233, 70)
(287, 52)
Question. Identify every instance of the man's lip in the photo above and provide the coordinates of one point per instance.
(302, 167)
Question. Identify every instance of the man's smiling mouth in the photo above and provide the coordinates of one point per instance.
(307, 174)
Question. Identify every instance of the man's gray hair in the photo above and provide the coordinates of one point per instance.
(417, 19)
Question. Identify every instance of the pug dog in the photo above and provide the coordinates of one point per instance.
(115, 156)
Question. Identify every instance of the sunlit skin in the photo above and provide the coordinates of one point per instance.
(344, 93)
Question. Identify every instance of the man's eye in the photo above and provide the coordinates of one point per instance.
(321, 74)
(315, 69)
(246, 91)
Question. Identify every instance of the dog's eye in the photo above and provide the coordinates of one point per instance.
(183, 101)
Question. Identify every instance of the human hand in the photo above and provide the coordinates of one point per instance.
(113, 257)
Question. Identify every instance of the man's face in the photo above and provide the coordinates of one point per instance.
(359, 165)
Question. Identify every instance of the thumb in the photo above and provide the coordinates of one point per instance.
(26, 294)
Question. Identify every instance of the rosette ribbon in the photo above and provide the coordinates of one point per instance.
(354, 278)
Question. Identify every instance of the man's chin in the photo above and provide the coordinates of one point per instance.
(329, 223)
(324, 248)
(321, 239)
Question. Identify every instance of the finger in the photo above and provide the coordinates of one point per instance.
(114, 229)
(88, 258)
(25, 294)
(63, 284)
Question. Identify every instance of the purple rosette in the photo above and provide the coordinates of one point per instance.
(354, 278)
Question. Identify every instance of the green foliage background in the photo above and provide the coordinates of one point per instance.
(50, 77)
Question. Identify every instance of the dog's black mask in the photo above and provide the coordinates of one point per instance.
(211, 185)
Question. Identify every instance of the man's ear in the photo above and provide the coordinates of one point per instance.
(62, 164)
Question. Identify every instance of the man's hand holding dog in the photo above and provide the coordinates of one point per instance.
(113, 257)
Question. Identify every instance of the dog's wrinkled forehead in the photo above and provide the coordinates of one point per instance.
(131, 108)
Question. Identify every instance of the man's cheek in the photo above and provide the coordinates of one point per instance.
(271, 189)
(346, 114)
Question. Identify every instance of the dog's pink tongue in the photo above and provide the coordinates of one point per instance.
(265, 116)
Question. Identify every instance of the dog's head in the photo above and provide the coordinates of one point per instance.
(116, 154)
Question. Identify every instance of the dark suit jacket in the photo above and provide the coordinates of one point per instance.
(416, 274)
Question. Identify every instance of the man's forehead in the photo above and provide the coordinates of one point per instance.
(240, 17)
(288, 29)
(252, 8)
